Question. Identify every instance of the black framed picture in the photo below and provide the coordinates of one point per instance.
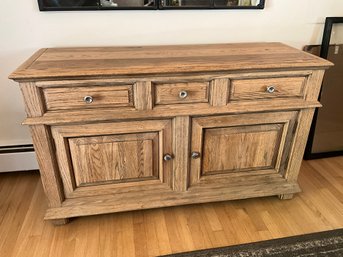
(212, 4)
(326, 134)
(77, 5)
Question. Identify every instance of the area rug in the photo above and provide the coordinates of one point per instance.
(322, 244)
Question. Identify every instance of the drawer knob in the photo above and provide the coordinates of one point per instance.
(88, 99)
(183, 94)
(167, 157)
(195, 155)
(270, 89)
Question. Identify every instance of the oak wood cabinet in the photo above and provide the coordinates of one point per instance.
(127, 128)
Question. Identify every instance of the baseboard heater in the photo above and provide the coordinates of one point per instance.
(17, 158)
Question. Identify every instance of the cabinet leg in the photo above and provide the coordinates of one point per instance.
(59, 222)
(286, 196)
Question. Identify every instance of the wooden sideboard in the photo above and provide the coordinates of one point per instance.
(127, 128)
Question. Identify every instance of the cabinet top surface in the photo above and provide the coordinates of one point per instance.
(59, 63)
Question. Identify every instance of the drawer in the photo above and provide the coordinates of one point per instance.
(182, 92)
(88, 97)
(266, 88)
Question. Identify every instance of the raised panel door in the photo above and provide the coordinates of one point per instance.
(240, 145)
(114, 157)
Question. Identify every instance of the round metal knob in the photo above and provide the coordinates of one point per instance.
(167, 157)
(271, 89)
(195, 155)
(88, 99)
(183, 94)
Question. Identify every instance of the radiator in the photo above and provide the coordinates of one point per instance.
(17, 158)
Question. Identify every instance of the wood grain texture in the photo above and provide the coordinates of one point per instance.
(127, 155)
(161, 111)
(298, 147)
(257, 88)
(232, 145)
(150, 233)
(252, 186)
(182, 152)
(132, 147)
(197, 92)
(73, 97)
(315, 80)
(240, 148)
(45, 153)
(219, 91)
(80, 62)
(33, 100)
(118, 158)
(32, 59)
(143, 95)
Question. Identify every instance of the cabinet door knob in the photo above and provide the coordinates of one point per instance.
(270, 89)
(183, 94)
(88, 99)
(195, 155)
(167, 157)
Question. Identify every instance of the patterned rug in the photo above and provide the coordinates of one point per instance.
(322, 244)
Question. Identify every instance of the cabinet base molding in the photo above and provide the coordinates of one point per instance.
(59, 222)
(129, 128)
(286, 196)
(131, 201)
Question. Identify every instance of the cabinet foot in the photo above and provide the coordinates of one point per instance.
(286, 196)
(59, 222)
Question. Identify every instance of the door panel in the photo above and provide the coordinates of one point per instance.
(118, 158)
(240, 148)
(114, 157)
(239, 145)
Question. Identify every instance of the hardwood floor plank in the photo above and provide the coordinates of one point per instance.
(228, 231)
(161, 228)
(140, 237)
(151, 233)
(175, 240)
(212, 217)
(17, 203)
(148, 233)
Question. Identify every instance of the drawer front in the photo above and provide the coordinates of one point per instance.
(183, 92)
(62, 98)
(266, 88)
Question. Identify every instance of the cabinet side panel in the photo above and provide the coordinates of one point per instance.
(33, 99)
(314, 84)
(298, 148)
(43, 144)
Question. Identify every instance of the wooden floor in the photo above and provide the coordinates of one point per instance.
(161, 231)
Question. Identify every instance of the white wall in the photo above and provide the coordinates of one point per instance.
(23, 29)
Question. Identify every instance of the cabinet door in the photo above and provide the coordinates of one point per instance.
(114, 157)
(240, 145)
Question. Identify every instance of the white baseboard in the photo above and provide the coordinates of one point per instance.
(18, 161)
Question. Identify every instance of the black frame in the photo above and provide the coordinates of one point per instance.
(94, 8)
(212, 7)
(158, 6)
(324, 50)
